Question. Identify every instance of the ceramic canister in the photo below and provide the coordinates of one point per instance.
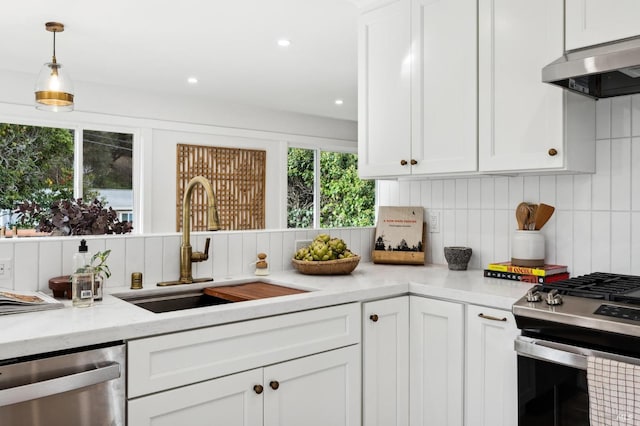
(527, 248)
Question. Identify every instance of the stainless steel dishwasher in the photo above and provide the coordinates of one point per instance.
(78, 387)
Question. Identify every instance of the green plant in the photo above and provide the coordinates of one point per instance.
(101, 268)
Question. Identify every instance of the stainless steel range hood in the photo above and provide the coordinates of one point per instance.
(602, 71)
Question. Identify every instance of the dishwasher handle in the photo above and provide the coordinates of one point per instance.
(59, 385)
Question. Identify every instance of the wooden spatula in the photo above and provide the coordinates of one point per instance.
(522, 215)
(543, 214)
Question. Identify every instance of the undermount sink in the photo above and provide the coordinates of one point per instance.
(175, 301)
(197, 298)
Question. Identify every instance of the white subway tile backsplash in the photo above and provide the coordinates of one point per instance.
(474, 193)
(117, 257)
(548, 189)
(635, 174)
(50, 263)
(425, 194)
(404, 194)
(171, 257)
(582, 242)
(634, 255)
(621, 174)
(501, 193)
(564, 192)
(415, 191)
(530, 189)
(601, 180)
(635, 115)
(582, 192)
(461, 193)
(135, 256)
(502, 235)
(279, 260)
(621, 242)
(249, 251)
(437, 194)
(603, 119)
(564, 239)
(516, 192)
(487, 193)
(620, 117)
(449, 194)
(601, 232)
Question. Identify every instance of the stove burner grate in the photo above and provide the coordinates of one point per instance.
(599, 285)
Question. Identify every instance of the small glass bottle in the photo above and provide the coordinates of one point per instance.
(82, 279)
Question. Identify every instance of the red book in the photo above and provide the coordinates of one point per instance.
(541, 271)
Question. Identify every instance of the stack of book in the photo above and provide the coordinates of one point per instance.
(537, 275)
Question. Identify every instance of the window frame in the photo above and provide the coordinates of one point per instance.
(317, 150)
(78, 140)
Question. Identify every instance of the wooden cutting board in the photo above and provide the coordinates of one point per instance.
(250, 291)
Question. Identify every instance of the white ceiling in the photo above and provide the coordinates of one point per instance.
(230, 46)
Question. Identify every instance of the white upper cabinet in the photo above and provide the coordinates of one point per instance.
(526, 125)
(444, 88)
(384, 91)
(590, 22)
(417, 99)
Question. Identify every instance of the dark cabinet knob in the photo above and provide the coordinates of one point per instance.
(553, 152)
(258, 389)
(403, 162)
(274, 384)
(374, 318)
(413, 162)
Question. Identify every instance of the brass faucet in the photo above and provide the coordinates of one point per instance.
(187, 257)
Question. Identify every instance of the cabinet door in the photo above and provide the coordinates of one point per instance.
(520, 118)
(590, 22)
(317, 390)
(436, 362)
(228, 401)
(444, 86)
(385, 357)
(492, 385)
(384, 91)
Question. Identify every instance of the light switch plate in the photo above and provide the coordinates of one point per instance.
(434, 222)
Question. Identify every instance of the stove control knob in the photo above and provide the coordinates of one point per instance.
(553, 298)
(533, 296)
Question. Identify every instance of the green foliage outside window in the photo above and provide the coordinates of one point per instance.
(36, 164)
(345, 199)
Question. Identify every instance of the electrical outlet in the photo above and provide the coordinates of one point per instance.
(5, 269)
(434, 222)
(302, 243)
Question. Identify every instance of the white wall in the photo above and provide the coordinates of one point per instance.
(596, 226)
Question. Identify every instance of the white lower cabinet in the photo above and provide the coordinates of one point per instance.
(302, 368)
(316, 390)
(436, 362)
(491, 373)
(385, 358)
(462, 368)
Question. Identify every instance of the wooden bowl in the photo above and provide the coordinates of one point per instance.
(327, 267)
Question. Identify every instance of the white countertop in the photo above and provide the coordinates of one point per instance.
(114, 319)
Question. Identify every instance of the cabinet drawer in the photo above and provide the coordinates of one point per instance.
(177, 359)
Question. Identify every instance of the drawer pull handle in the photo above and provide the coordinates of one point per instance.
(258, 389)
(403, 162)
(492, 318)
(553, 152)
(274, 384)
(374, 318)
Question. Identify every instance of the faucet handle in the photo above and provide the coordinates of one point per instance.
(198, 256)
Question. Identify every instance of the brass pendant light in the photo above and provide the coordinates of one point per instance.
(54, 89)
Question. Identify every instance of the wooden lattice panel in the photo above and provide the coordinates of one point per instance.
(238, 180)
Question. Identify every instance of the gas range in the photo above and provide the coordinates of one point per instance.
(602, 309)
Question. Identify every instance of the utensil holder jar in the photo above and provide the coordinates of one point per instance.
(527, 248)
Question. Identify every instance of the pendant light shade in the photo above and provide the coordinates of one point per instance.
(54, 88)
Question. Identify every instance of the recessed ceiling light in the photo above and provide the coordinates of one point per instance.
(284, 42)
(339, 101)
(192, 80)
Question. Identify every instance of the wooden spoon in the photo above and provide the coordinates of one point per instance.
(522, 215)
(543, 214)
(533, 208)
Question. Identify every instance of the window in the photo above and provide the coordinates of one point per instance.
(43, 164)
(324, 190)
